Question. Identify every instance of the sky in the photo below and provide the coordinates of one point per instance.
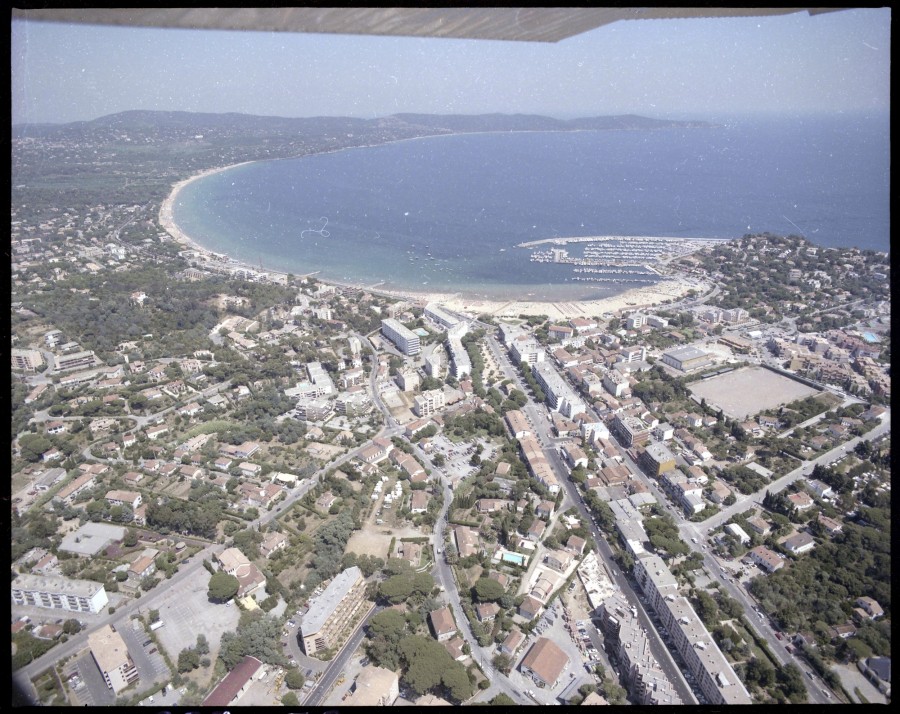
(698, 68)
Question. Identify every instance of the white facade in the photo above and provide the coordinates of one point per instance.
(59, 593)
(406, 340)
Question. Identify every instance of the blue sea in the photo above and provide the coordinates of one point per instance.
(444, 214)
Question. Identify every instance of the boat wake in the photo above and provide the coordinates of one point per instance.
(321, 232)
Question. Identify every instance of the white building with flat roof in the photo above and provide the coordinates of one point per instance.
(332, 610)
(405, 339)
(59, 593)
(112, 658)
(686, 358)
(560, 396)
(438, 315)
(459, 357)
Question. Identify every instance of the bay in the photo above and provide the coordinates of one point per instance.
(444, 214)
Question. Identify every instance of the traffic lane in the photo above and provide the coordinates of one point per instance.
(657, 647)
(338, 664)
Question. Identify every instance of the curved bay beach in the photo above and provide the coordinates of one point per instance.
(670, 288)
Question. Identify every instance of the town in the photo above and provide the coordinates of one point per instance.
(232, 486)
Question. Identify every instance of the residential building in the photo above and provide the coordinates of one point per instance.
(428, 402)
(273, 543)
(766, 559)
(511, 644)
(331, 611)
(124, 498)
(26, 359)
(235, 683)
(405, 339)
(374, 687)
(870, 606)
(112, 658)
(631, 430)
(545, 662)
(560, 396)
(59, 593)
(442, 624)
(738, 532)
(518, 423)
(656, 459)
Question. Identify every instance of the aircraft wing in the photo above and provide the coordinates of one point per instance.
(531, 24)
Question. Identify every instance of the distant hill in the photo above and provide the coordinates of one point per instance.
(536, 122)
(135, 156)
(152, 122)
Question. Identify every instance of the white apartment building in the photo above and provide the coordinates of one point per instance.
(112, 658)
(59, 593)
(427, 403)
(560, 396)
(405, 339)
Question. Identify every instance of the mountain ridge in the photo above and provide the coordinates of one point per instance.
(140, 119)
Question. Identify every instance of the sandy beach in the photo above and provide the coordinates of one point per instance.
(637, 298)
(668, 289)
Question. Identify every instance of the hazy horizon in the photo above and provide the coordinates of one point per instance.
(667, 69)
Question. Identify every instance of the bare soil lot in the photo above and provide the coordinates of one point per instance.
(748, 391)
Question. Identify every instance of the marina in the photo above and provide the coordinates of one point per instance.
(615, 259)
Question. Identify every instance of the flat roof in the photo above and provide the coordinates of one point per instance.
(322, 607)
(685, 353)
(108, 648)
(56, 584)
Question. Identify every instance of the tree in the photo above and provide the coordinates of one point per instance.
(488, 590)
(456, 680)
(70, 626)
(290, 700)
(388, 623)
(188, 660)
(396, 589)
(154, 617)
(294, 679)
(502, 663)
(223, 586)
(426, 661)
(202, 644)
(503, 700)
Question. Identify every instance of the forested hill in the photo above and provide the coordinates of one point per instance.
(135, 156)
(154, 122)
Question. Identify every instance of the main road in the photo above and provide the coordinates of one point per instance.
(541, 425)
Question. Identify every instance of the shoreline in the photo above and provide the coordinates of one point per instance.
(670, 288)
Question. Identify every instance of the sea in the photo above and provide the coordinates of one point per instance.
(445, 214)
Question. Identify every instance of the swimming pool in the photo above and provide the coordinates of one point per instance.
(869, 337)
(516, 558)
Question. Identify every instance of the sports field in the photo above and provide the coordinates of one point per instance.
(748, 391)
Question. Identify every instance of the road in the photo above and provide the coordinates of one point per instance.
(188, 572)
(538, 420)
(443, 576)
(338, 665)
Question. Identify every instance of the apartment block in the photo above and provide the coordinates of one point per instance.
(331, 611)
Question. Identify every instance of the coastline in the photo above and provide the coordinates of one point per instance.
(670, 288)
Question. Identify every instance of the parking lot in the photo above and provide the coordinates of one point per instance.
(148, 661)
(457, 457)
(187, 612)
(552, 626)
(86, 682)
